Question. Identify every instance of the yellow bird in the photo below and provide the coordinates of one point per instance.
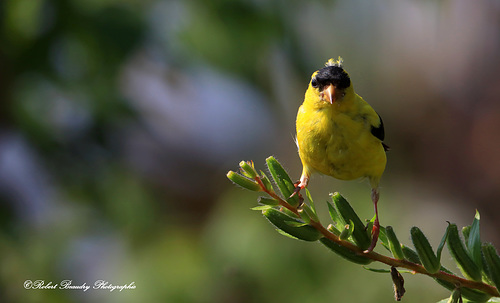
(339, 134)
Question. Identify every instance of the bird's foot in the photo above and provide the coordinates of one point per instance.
(298, 186)
(375, 233)
(376, 224)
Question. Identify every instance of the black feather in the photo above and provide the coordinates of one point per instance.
(379, 133)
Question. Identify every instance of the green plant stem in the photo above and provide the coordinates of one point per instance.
(417, 268)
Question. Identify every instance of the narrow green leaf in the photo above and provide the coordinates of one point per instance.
(359, 235)
(474, 242)
(394, 244)
(282, 180)
(410, 254)
(345, 252)
(456, 296)
(283, 233)
(311, 213)
(291, 188)
(268, 201)
(466, 233)
(473, 295)
(347, 232)
(266, 181)
(283, 221)
(248, 169)
(386, 271)
(311, 202)
(261, 207)
(377, 270)
(492, 263)
(289, 213)
(383, 238)
(304, 216)
(243, 181)
(424, 250)
(334, 215)
(461, 256)
(295, 223)
(443, 241)
(331, 228)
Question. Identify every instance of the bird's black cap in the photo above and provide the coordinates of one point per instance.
(332, 74)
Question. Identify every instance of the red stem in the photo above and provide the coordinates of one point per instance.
(417, 268)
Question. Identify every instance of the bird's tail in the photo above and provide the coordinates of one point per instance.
(386, 147)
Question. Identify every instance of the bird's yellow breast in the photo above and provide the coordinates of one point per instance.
(336, 140)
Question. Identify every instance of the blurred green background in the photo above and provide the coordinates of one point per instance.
(120, 118)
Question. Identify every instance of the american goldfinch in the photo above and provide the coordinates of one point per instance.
(339, 134)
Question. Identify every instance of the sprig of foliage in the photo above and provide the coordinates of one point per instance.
(348, 237)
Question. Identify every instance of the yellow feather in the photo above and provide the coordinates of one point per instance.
(336, 139)
(339, 134)
(337, 62)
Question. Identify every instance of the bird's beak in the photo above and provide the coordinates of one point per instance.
(329, 93)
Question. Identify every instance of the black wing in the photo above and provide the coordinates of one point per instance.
(379, 132)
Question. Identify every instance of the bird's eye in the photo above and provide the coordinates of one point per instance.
(314, 82)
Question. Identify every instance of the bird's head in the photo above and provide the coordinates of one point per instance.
(331, 82)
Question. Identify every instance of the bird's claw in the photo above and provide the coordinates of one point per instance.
(296, 191)
(375, 233)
